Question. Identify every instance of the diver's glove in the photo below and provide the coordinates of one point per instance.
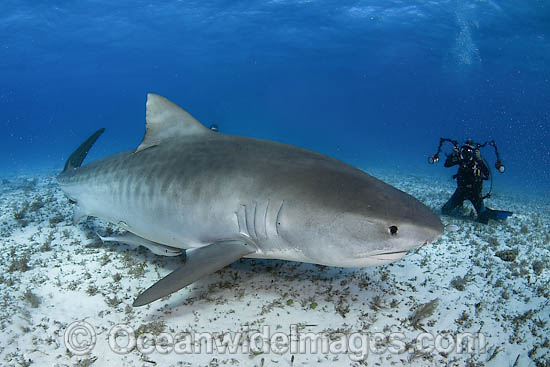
(477, 155)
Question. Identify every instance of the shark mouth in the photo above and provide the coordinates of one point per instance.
(389, 256)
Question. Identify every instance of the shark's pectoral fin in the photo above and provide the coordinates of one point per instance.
(131, 239)
(200, 262)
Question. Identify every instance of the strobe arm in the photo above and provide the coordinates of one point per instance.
(498, 165)
(435, 158)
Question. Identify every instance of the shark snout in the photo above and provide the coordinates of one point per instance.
(428, 235)
(434, 230)
(434, 236)
(414, 236)
(426, 228)
(395, 250)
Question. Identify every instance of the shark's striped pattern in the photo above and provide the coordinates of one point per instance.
(226, 197)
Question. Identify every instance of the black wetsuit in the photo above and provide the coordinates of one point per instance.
(470, 177)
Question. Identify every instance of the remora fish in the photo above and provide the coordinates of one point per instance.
(224, 197)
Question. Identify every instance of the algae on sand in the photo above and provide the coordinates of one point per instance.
(422, 312)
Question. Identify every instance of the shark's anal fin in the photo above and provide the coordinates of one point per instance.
(200, 262)
(131, 239)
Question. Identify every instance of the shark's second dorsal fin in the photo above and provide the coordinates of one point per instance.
(166, 120)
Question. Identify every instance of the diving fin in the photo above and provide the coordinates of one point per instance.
(487, 214)
(501, 214)
(200, 262)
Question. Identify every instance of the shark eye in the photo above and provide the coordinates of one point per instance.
(393, 230)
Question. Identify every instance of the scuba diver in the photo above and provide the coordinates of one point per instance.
(472, 171)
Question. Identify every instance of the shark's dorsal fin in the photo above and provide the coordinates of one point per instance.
(166, 120)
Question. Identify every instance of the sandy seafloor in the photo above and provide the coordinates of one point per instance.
(54, 273)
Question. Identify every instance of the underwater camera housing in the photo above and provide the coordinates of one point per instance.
(467, 152)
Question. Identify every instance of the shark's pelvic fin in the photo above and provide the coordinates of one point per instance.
(131, 239)
(75, 160)
(200, 262)
(78, 213)
(166, 120)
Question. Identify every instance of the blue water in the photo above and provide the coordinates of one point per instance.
(374, 83)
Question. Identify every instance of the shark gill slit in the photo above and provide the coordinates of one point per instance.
(257, 221)
(247, 228)
(255, 233)
(265, 219)
(277, 218)
(241, 220)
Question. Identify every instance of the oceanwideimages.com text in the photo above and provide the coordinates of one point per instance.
(80, 338)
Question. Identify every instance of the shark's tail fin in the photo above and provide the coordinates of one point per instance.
(76, 159)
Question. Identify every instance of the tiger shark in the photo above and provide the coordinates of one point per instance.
(224, 197)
